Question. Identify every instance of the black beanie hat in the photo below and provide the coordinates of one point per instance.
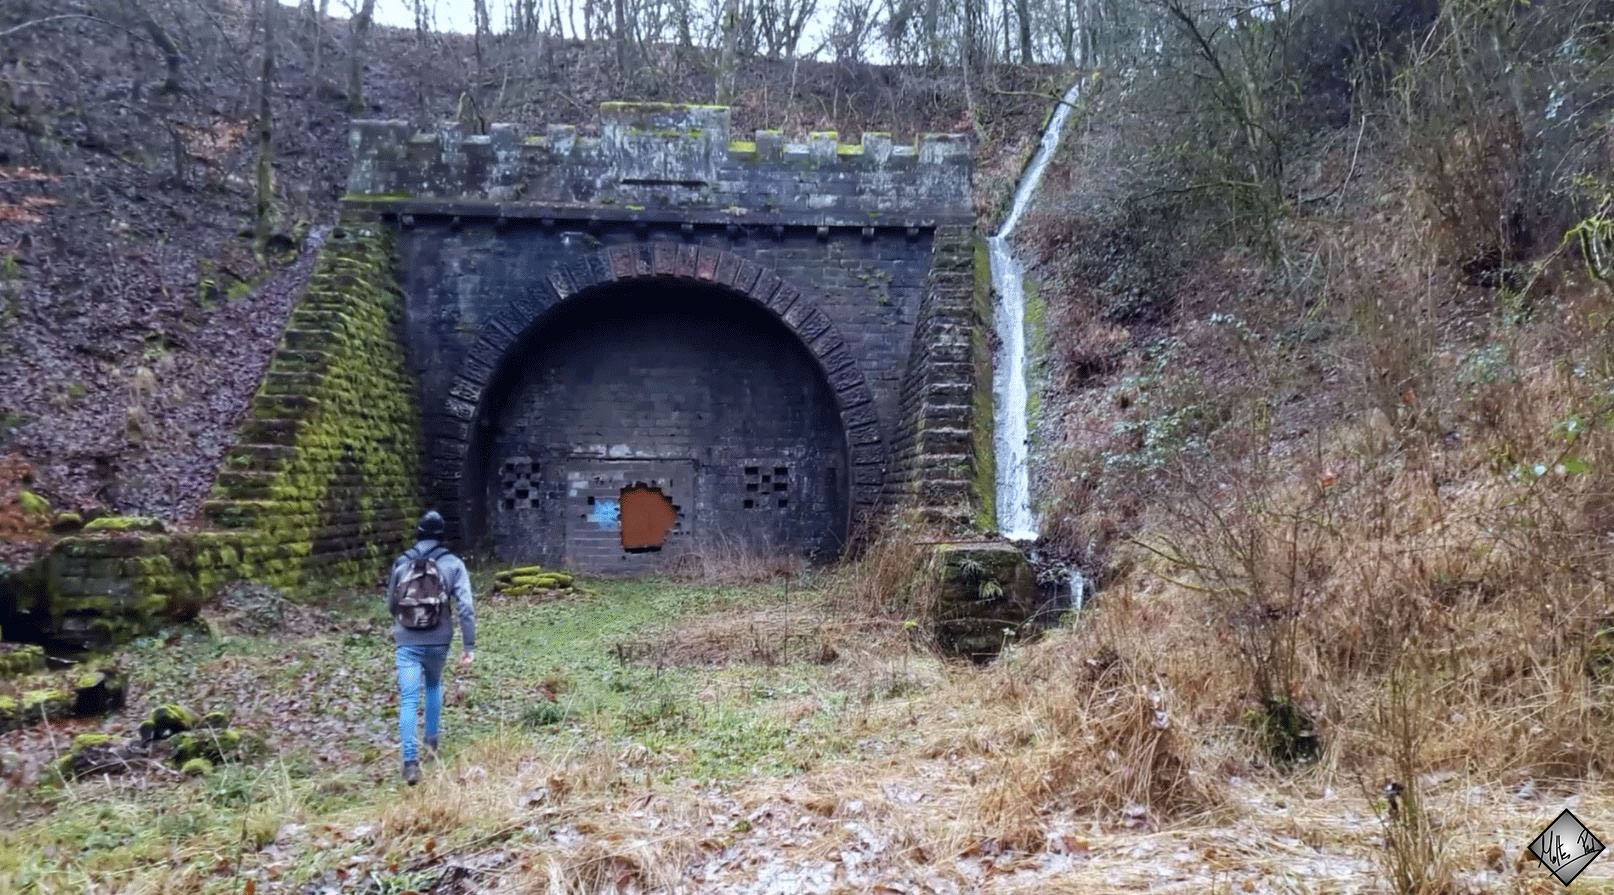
(430, 527)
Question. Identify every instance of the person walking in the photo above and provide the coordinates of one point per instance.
(425, 579)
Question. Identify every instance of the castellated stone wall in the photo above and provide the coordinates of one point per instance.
(661, 305)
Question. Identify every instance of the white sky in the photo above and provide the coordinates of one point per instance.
(452, 15)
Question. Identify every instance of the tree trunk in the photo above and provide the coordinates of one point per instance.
(728, 62)
(164, 43)
(484, 27)
(932, 17)
(619, 15)
(355, 71)
(266, 80)
(1067, 34)
(319, 47)
(971, 38)
(1023, 9)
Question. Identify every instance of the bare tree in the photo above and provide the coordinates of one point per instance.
(319, 46)
(266, 81)
(728, 61)
(355, 62)
(483, 27)
(171, 55)
(1022, 9)
(620, 37)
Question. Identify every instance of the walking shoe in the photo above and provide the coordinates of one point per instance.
(411, 772)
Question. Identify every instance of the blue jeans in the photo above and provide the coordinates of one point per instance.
(416, 663)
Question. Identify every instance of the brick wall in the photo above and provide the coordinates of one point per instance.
(700, 395)
(836, 241)
(935, 462)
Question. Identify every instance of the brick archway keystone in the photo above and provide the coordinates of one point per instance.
(448, 454)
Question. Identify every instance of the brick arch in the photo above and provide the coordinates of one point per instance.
(449, 452)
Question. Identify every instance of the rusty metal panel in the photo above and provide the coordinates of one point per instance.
(647, 517)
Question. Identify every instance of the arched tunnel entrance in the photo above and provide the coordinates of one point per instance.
(641, 420)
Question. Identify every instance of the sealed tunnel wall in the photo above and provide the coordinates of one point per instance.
(665, 387)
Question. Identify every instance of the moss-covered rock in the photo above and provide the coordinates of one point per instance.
(98, 691)
(21, 658)
(91, 753)
(126, 524)
(32, 503)
(46, 703)
(545, 581)
(66, 523)
(167, 720)
(217, 746)
(986, 592)
(196, 767)
(507, 575)
(214, 720)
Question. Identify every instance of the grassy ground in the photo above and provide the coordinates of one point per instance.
(659, 737)
(590, 677)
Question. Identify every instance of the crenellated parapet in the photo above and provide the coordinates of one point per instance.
(650, 157)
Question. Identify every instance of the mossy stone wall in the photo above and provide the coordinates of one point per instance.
(324, 482)
(934, 461)
(321, 489)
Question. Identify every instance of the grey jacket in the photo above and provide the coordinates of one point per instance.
(458, 581)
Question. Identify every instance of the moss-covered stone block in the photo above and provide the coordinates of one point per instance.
(98, 691)
(91, 753)
(986, 592)
(32, 503)
(217, 746)
(167, 720)
(34, 706)
(126, 524)
(196, 767)
(20, 659)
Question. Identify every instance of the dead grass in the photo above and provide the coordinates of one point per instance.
(808, 630)
(728, 562)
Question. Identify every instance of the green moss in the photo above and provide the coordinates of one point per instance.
(65, 522)
(382, 197)
(1036, 352)
(125, 523)
(48, 703)
(544, 581)
(742, 147)
(166, 720)
(848, 149)
(196, 767)
(984, 481)
(215, 745)
(25, 659)
(352, 452)
(32, 503)
(86, 740)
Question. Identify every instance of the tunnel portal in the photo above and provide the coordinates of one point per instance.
(644, 421)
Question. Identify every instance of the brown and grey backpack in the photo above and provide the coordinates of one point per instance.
(422, 594)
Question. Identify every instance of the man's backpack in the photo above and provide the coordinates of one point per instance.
(422, 594)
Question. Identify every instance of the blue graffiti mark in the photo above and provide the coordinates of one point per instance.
(606, 513)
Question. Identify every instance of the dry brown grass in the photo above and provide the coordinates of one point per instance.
(810, 629)
(721, 562)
